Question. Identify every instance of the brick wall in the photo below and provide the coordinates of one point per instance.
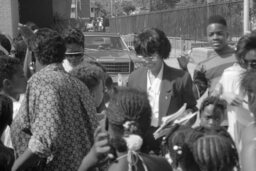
(9, 17)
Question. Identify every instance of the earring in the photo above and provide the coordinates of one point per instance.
(32, 67)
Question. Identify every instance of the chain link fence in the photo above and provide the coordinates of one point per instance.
(185, 27)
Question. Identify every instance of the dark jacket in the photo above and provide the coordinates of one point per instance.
(176, 89)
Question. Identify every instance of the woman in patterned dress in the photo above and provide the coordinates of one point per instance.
(54, 127)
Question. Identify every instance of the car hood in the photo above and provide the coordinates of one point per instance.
(108, 54)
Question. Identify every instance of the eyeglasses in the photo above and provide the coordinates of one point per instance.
(249, 64)
(74, 54)
(150, 58)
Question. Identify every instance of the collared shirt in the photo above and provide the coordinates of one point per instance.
(215, 64)
(153, 90)
(56, 119)
(6, 137)
(66, 65)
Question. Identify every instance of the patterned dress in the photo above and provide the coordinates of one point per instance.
(56, 119)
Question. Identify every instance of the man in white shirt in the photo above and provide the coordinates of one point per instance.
(168, 88)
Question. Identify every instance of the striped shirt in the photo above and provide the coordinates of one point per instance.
(215, 64)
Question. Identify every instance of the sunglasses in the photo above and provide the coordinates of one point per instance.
(150, 58)
(74, 54)
(251, 63)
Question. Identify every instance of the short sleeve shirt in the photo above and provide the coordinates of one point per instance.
(56, 119)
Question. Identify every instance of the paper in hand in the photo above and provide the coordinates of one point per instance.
(181, 117)
(170, 118)
(27, 35)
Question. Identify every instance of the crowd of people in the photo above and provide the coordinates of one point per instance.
(60, 111)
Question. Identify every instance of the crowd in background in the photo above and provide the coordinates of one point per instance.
(59, 111)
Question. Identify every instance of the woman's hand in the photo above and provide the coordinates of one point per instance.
(232, 99)
(27, 35)
(98, 152)
(101, 143)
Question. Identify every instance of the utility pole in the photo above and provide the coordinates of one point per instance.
(76, 9)
(246, 16)
(111, 8)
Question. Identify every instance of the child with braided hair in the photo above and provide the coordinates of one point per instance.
(128, 118)
(215, 150)
(215, 153)
(202, 149)
(180, 154)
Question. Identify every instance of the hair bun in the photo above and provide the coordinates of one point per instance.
(130, 127)
(133, 142)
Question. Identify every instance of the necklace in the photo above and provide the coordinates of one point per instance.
(120, 157)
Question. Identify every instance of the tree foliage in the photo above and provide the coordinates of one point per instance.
(128, 7)
(170, 4)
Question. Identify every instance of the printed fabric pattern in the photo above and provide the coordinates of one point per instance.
(56, 120)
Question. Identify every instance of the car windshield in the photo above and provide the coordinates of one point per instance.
(104, 43)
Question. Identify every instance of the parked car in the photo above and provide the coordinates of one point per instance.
(110, 50)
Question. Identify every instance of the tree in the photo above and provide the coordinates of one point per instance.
(128, 7)
(190, 2)
(102, 7)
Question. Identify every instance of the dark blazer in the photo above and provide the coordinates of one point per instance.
(176, 89)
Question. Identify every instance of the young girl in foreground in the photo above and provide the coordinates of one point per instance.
(128, 118)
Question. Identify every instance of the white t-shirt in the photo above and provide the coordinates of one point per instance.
(66, 65)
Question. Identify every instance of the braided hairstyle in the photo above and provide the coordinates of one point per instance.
(215, 151)
(127, 104)
(180, 149)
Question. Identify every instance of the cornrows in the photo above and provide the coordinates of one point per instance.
(129, 104)
(215, 153)
(179, 143)
(203, 149)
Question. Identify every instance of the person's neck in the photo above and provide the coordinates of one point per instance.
(10, 94)
(222, 50)
(155, 71)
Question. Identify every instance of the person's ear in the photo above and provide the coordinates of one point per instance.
(178, 168)
(227, 35)
(92, 94)
(7, 84)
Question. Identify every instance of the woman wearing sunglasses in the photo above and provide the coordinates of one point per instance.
(229, 88)
(74, 55)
